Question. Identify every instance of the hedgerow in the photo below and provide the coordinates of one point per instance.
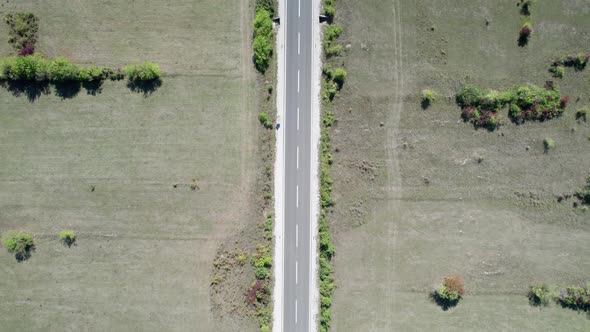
(22, 32)
(263, 38)
(524, 103)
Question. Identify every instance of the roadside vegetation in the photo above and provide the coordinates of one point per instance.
(263, 35)
(19, 244)
(23, 28)
(333, 79)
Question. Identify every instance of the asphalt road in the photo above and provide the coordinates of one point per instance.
(297, 126)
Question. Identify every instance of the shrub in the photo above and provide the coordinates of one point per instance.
(548, 144)
(525, 33)
(329, 11)
(449, 292)
(582, 113)
(146, 71)
(264, 120)
(262, 53)
(584, 194)
(331, 34)
(19, 244)
(339, 77)
(539, 295)
(61, 70)
(67, 237)
(557, 71)
(22, 33)
(468, 95)
(428, 97)
(526, 7)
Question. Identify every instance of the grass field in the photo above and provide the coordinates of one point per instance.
(412, 202)
(117, 168)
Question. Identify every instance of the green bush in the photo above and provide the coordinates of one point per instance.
(268, 5)
(329, 11)
(265, 120)
(468, 95)
(331, 34)
(548, 144)
(19, 244)
(67, 237)
(428, 97)
(339, 77)
(557, 71)
(540, 295)
(263, 39)
(146, 71)
(61, 70)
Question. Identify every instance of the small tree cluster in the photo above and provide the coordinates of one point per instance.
(22, 32)
(577, 298)
(450, 292)
(333, 81)
(263, 39)
(18, 243)
(578, 62)
(525, 103)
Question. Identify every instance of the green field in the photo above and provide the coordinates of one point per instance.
(412, 202)
(117, 168)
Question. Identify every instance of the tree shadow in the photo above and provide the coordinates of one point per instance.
(93, 87)
(31, 89)
(24, 255)
(145, 87)
(67, 90)
(425, 103)
(523, 40)
(444, 304)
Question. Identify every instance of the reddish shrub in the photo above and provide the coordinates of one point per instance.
(455, 284)
(253, 291)
(564, 101)
(28, 49)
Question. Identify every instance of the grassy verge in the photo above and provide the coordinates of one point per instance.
(332, 81)
(259, 294)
